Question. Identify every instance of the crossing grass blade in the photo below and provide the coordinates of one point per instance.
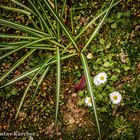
(22, 5)
(47, 17)
(24, 46)
(16, 65)
(90, 89)
(23, 28)
(28, 87)
(67, 33)
(89, 24)
(38, 84)
(15, 9)
(97, 28)
(41, 17)
(33, 70)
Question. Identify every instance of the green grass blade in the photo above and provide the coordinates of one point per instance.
(24, 95)
(41, 24)
(90, 89)
(16, 65)
(16, 36)
(28, 87)
(22, 5)
(22, 28)
(97, 28)
(33, 22)
(30, 47)
(47, 17)
(24, 46)
(71, 19)
(38, 84)
(15, 43)
(15, 9)
(89, 24)
(58, 82)
(33, 70)
(63, 9)
(67, 33)
(41, 17)
(94, 19)
(57, 26)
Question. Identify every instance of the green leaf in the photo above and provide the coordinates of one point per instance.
(90, 89)
(102, 41)
(58, 82)
(23, 28)
(107, 64)
(24, 46)
(17, 36)
(113, 78)
(114, 25)
(22, 5)
(14, 91)
(15, 9)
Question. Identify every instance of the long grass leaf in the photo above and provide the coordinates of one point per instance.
(41, 17)
(15, 9)
(16, 65)
(58, 80)
(47, 17)
(63, 9)
(24, 46)
(62, 25)
(27, 89)
(90, 89)
(57, 26)
(16, 36)
(22, 5)
(33, 70)
(89, 24)
(97, 28)
(22, 28)
(38, 84)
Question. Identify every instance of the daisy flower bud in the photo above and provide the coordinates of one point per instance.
(115, 97)
(88, 101)
(89, 56)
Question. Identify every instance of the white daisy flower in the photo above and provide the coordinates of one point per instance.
(88, 101)
(115, 97)
(96, 82)
(89, 56)
(100, 78)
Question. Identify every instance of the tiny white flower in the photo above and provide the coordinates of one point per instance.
(89, 56)
(115, 97)
(100, 78)
(88, 101)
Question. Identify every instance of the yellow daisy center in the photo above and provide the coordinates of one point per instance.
(102, 78)
(115, 97)
(89, 100)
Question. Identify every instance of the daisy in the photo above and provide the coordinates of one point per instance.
(96, 82)
(100, 78)
(115, 97)
(88, 101)
(89, 56)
